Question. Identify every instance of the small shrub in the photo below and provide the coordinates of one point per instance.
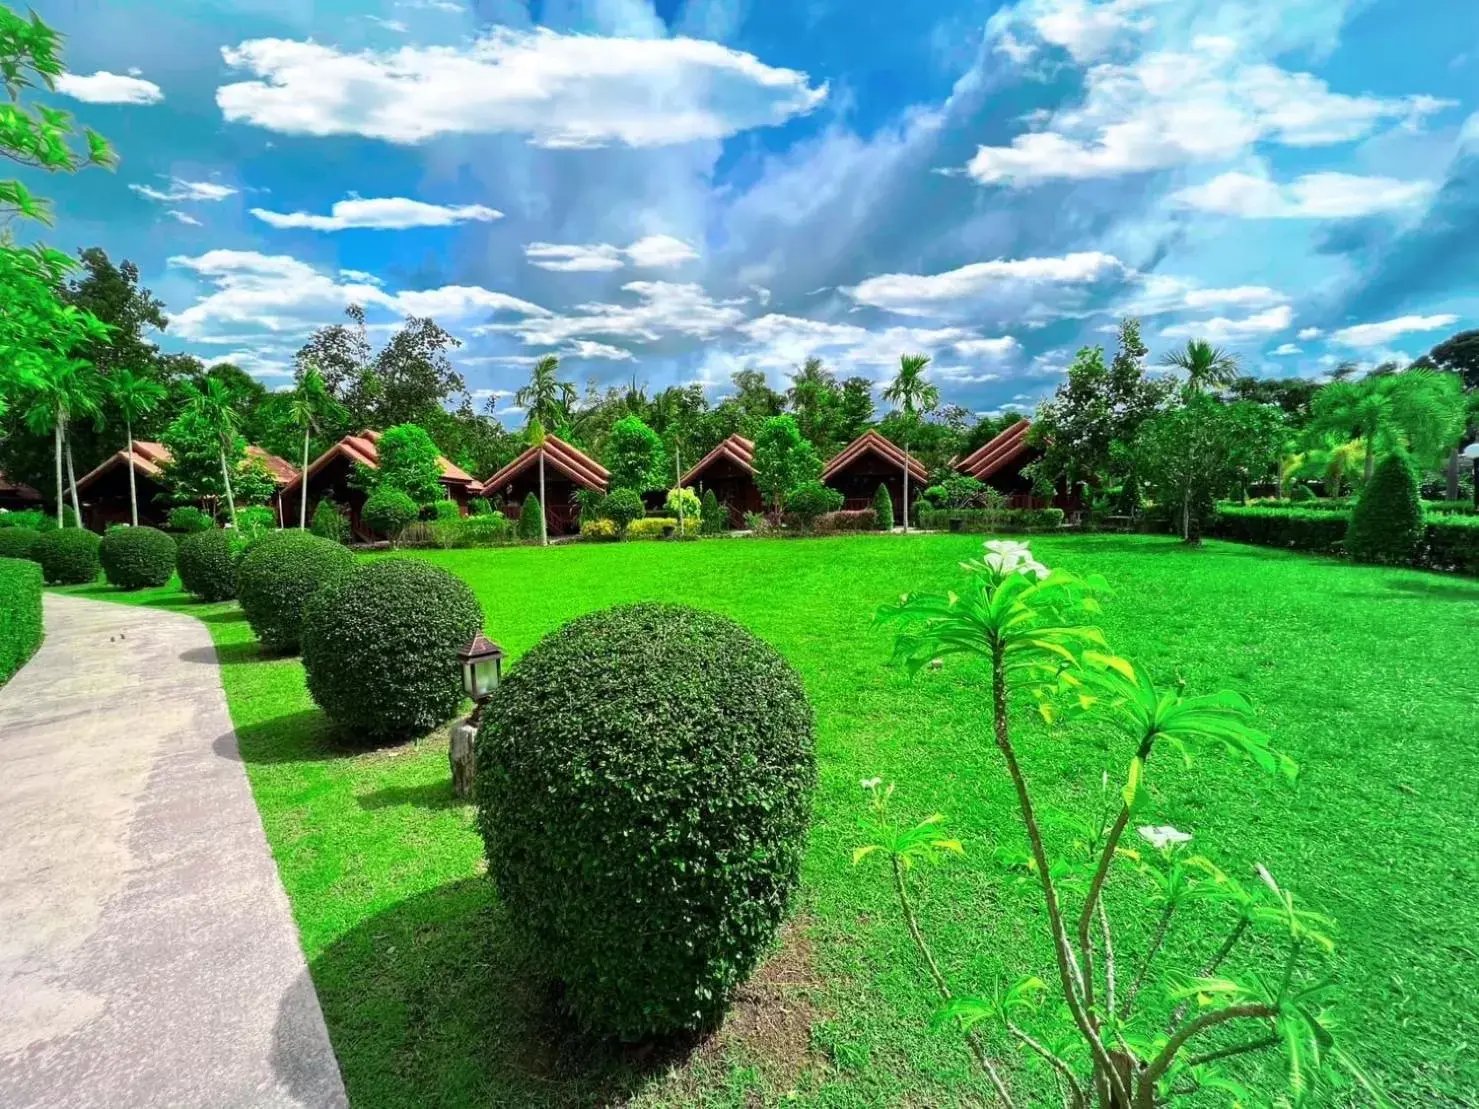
(329, 522)
(442, 510)
(18, 542)
(1301, 493)
(276, 578)
(758, 523)
(713, 519)
(461, 533)
(25, 518)
(1387, 523)
(811, 500)
(68, 556)
(135, 558)
(254, 520)
(189, 519)
(20, 613)
(644, 780)
(380, 647)
(46, 521)
(531, 518)
(599, 531)
(622, 507)
(480, 506)
(652, 527)
(862, 519)
(1451, 543)
(883, 508)
(990, 520)
(388, 511)
(692, 508)
(207, 564)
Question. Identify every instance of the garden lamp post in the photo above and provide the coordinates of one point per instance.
(1471, 452)
(482, 668)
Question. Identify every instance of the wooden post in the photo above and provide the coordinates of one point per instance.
(463, 757)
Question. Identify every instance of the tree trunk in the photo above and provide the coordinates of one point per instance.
(1370, 461)
(1186, 516)
(61, 489)
(230, 500)
(543, 511)
(303, 487)
(1453, 491)
(906, 487)
(72, 480)
(133, 493)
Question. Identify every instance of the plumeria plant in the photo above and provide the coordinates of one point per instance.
(1112, 1035)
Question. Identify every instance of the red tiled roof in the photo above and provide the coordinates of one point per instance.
(993, 456)
(148, 458)
(871, 441)
(361, 448)
(575, 464)
(736, 449)
(283, 472)
(18, 489)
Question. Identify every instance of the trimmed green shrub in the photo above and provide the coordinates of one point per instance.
(380, 647)
(644, 781)
(1450, 508)
(18, 542)
(883, 507)
(276, 578)
(1452, 543)
(599, 531)
(531, 518)
(1300, 529)
(189, 519)
(442, 510)
(811, 500)
(1387, 523)
(623, 506)
(254, 519)
(135, 558)
(47, 519)
(207, 564)
(68, 556)
(652, 527)
(860, 519)
(25, 518)
(480, 506)
(470, 531)
(692, 508)
(388, 511)
(989, 521)
(20, 614)
(329, 522)
(713, 519)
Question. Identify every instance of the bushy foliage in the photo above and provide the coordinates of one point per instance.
(714, 519)
(862, 519)
(409, 463)
(329, 522)
(599, 531)
(1452, 543)
(955, 491)
(987, 521)
(531, 518)
(1301, 493)
(1301, 529)
(810, 500)
(622, 506)
(68, 556)
(26, 518)
(691, 508)
(442, 510)
(46, 521)
(883, 507)
(18, 542)
(473, 531)
(380, 647)
(189, 519)
(652, 527)
(635, 456)
(207, 564)
(135, 558)
(1387, 523)
(20, 613)
(644, 784)
(783, 460)
(276, 578)
(480, 506)
(387, 511)
(255, 519)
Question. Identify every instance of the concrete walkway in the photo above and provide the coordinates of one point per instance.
(147, 953)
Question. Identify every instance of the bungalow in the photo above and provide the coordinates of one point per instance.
(729, 472)
(869, 461)
(1001, 462)
(329, 477)
(567, 471)
(103, 490)
(16, 496)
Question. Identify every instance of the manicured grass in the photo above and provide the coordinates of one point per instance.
(1364, 675)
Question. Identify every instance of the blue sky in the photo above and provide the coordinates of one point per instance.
(673, 190)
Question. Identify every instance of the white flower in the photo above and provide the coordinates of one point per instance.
(1164, 836)
(1007, 556)
(871, 783)
(1009, 547)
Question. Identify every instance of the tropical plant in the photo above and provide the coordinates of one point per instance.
(545, 398)
(63, 390)
(309, 407)
(210, 403)
(634, 456)
(915, 397)
(409, 462)
(1108, 1037)
(686, 507)
(135, 397)
(783, 460)
(1206, 367)
(1419, 411)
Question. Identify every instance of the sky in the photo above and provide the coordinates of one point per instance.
(674, 190)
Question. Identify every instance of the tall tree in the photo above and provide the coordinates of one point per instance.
(816, 401)
(112, 293)
(1458, 354)
(546, 398)
(915, 397)
(783, 459)
(210, 403)
(1206, 367)
(62, 391)
(134, 397)
(635, 457)
(310, 405)
(1420, 411)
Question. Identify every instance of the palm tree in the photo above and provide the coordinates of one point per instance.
(135, 397)
(309, 405)
(536, 436)
(1205, 365)
(912, 393)
(546, 398)
(63, 390)
(211, 403)
(1417, 410)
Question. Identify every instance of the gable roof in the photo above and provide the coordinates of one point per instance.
(872, 442)
(361, 447)
(150, 458)
(575, 464)
(991, 457)
(18, 489)
(736, 449)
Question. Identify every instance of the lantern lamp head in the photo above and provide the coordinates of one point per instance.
(482, 667)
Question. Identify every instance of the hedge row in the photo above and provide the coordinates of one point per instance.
(986, 520)
(1447, 542)
(20, 614)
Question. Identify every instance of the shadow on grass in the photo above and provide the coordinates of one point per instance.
(227, 653)
(432, 1002)
(1436, 590)
(432, 795)
(303, 736)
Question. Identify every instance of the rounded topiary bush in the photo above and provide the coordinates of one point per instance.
(207, 564)
(380, 647)
(18, 542)
(883, 508)
(531, 519)
(278, 575)
(388, 511)
(68, 556)
(644, 780)
(136, 558)
(713, 519)
(1388, 519)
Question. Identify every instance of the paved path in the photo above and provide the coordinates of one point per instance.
(147, 953)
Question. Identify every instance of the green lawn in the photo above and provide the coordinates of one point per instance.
(1366, 676)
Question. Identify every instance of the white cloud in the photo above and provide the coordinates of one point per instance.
(391, 213)
(662, 308)
(561, 90)
(253, 362)
(109, 88)
(394, 25)
(459, 300)
(650, 253)
(183, 217)
(660, 251)
(589, 349)
(1086, 30)
(1288, 348)
(1313, 196)
(930, 294)
(1160, 293)
(1377, 334)
(360, 277)
(1220, 329)
(431, 5)
(1308, 333)
(180, 189)
(1003, 347)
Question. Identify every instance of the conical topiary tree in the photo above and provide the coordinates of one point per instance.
(712, 518)
(531, 518)
(1388, 521)
(883, 506)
